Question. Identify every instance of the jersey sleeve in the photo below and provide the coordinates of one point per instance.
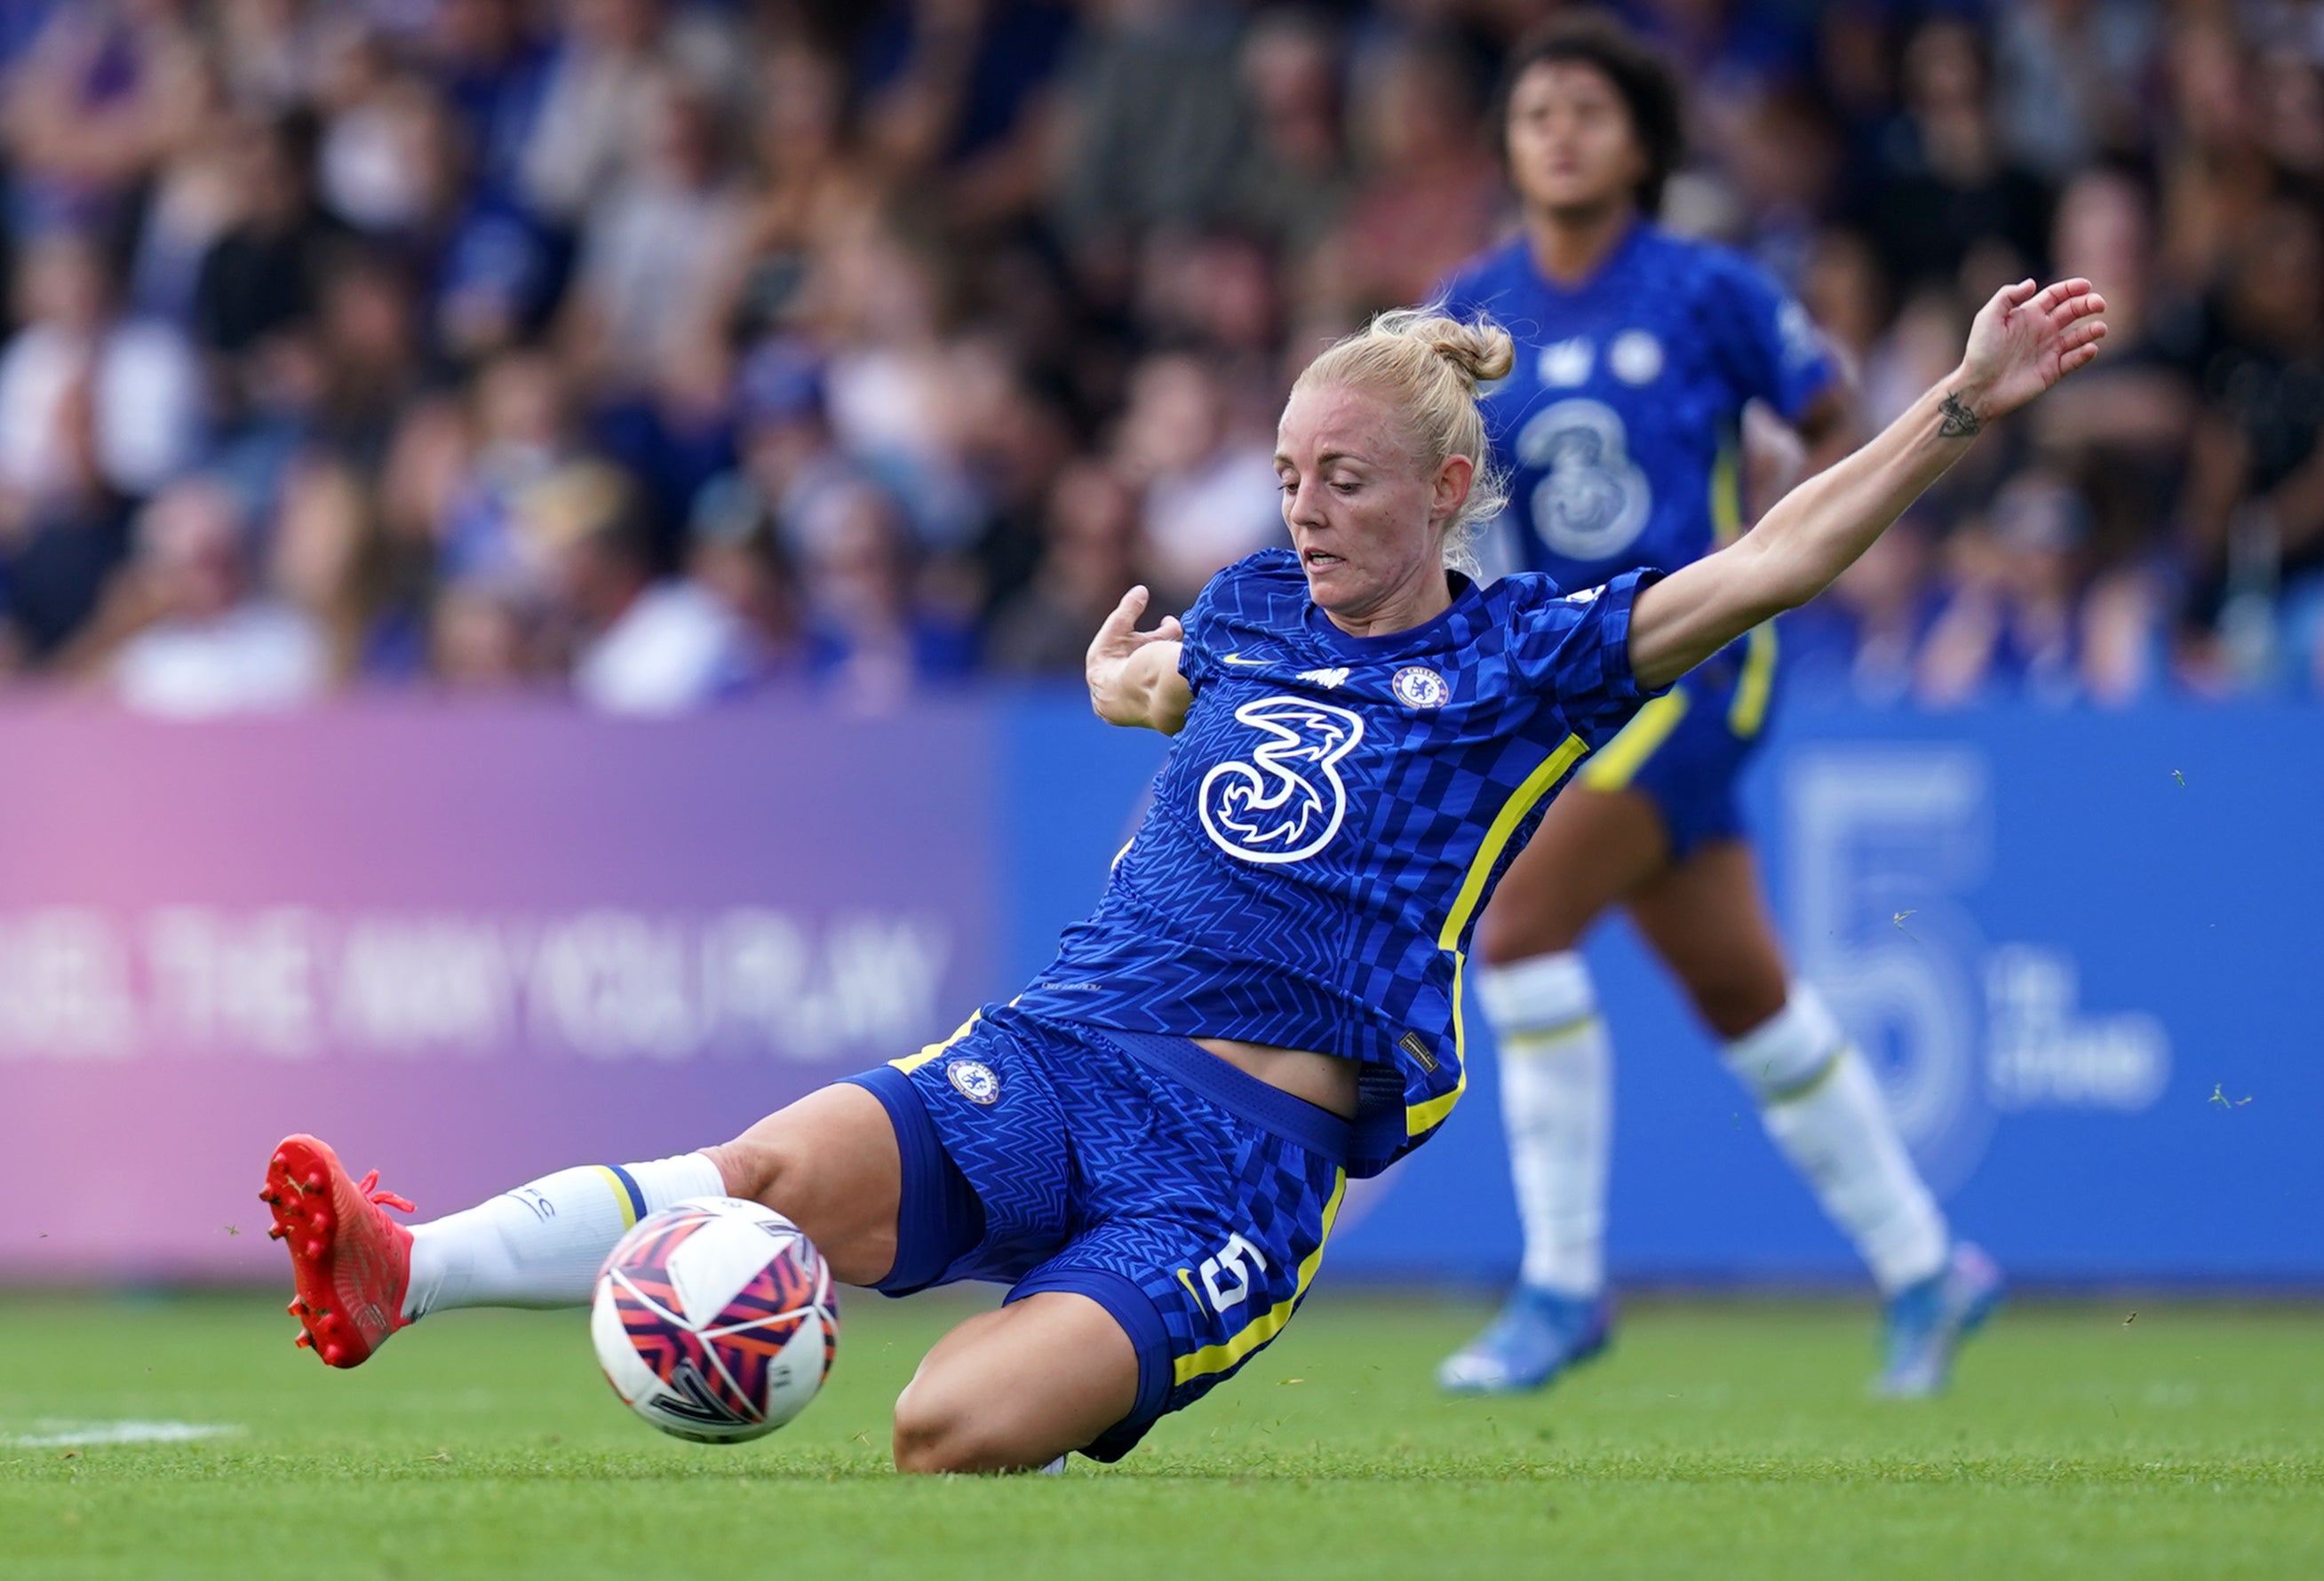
(1576, 648)
(1205, 633)
(1773, 350)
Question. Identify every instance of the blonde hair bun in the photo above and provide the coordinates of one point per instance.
(1479, 350)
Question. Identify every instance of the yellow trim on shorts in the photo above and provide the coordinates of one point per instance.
(1218, 1358)
(1615, 767)
(1749, 712)
(910, 1062)
(621, 1194)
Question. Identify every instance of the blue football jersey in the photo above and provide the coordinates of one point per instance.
(1332, 820)
(1621, 423)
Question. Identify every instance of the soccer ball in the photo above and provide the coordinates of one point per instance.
(714, 1319)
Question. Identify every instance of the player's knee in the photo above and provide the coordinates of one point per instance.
(1732, 1004)
(939, 1429)
(755, 1165)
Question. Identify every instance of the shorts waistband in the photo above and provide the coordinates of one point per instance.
(1183, 1060)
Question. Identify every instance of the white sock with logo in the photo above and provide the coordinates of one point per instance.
(1557, 1106)
(1824, 1109)
(541, 1244)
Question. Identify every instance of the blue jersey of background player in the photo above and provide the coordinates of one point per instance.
(1621, 425)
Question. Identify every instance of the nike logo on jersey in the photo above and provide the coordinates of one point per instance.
(1337, 675)
(1237, 658)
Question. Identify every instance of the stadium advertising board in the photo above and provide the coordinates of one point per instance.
(467, 946)
(472, 946)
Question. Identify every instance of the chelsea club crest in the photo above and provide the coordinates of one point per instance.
(1418, 687)
(973, 1079)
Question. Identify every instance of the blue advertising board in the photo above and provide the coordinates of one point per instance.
(2083, 949)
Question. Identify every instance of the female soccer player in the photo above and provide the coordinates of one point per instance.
(1638, 351)
(1151, 1142)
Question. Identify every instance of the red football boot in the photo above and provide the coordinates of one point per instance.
(351, 1261)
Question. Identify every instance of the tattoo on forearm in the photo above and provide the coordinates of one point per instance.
(1961, 423)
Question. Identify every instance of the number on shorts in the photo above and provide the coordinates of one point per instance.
(1229, 1262)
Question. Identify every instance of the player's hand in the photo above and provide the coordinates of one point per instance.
(1133, 680)
(2024, 341)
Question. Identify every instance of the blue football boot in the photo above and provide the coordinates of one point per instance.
(1538, 1335)
(1926, 1322)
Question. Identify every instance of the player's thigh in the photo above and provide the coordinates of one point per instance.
(1013, 1389)
(1707, 917)
(1592, 848)
(831, 1165)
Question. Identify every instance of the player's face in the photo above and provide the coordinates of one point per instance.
(1572, 147)
(1364, 506)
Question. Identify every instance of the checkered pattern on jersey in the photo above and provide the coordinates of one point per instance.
(1087, 1159)
(1320, 814)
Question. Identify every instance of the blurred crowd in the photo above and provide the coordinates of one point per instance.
(668, 350)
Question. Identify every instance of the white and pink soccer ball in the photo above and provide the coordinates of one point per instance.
(714, 1319)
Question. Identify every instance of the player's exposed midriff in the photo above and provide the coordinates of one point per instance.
(1321, 1080)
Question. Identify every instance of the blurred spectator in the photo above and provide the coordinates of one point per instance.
(965, 88)
(138, 378)
(2069, 76)
(193, 634)
(1090, 561)
(1157, 126)
(871, 638)
(2254, 504)
(260, 275)
(331, 561)
(1434, 185)
(1210, 493)
(811, 184)
(57, 558)
(1946, 200)
(651, 243)
(523, 431)
(1296, 179)
(599, 75)
(2214, 175)
(103, 92)
(642, 644)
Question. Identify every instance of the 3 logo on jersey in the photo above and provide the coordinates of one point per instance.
(1287, 801)
(1592, 500)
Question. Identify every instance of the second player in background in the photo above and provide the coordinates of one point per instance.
(1638, 354)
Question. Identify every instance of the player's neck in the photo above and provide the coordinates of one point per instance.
(1413, 604)
(1571, 245)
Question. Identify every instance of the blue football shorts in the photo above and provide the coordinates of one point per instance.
(1685, 750)
(1189, 1199)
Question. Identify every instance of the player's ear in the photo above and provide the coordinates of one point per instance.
(1453, 479)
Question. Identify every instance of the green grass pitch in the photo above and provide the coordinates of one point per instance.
(1725, 1439)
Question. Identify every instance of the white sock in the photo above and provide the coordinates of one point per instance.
(541, 1244)
(1557, 1104)
(1824, 1109)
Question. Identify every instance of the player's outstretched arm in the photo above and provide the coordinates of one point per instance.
(2024, 342)
(1133, 674)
